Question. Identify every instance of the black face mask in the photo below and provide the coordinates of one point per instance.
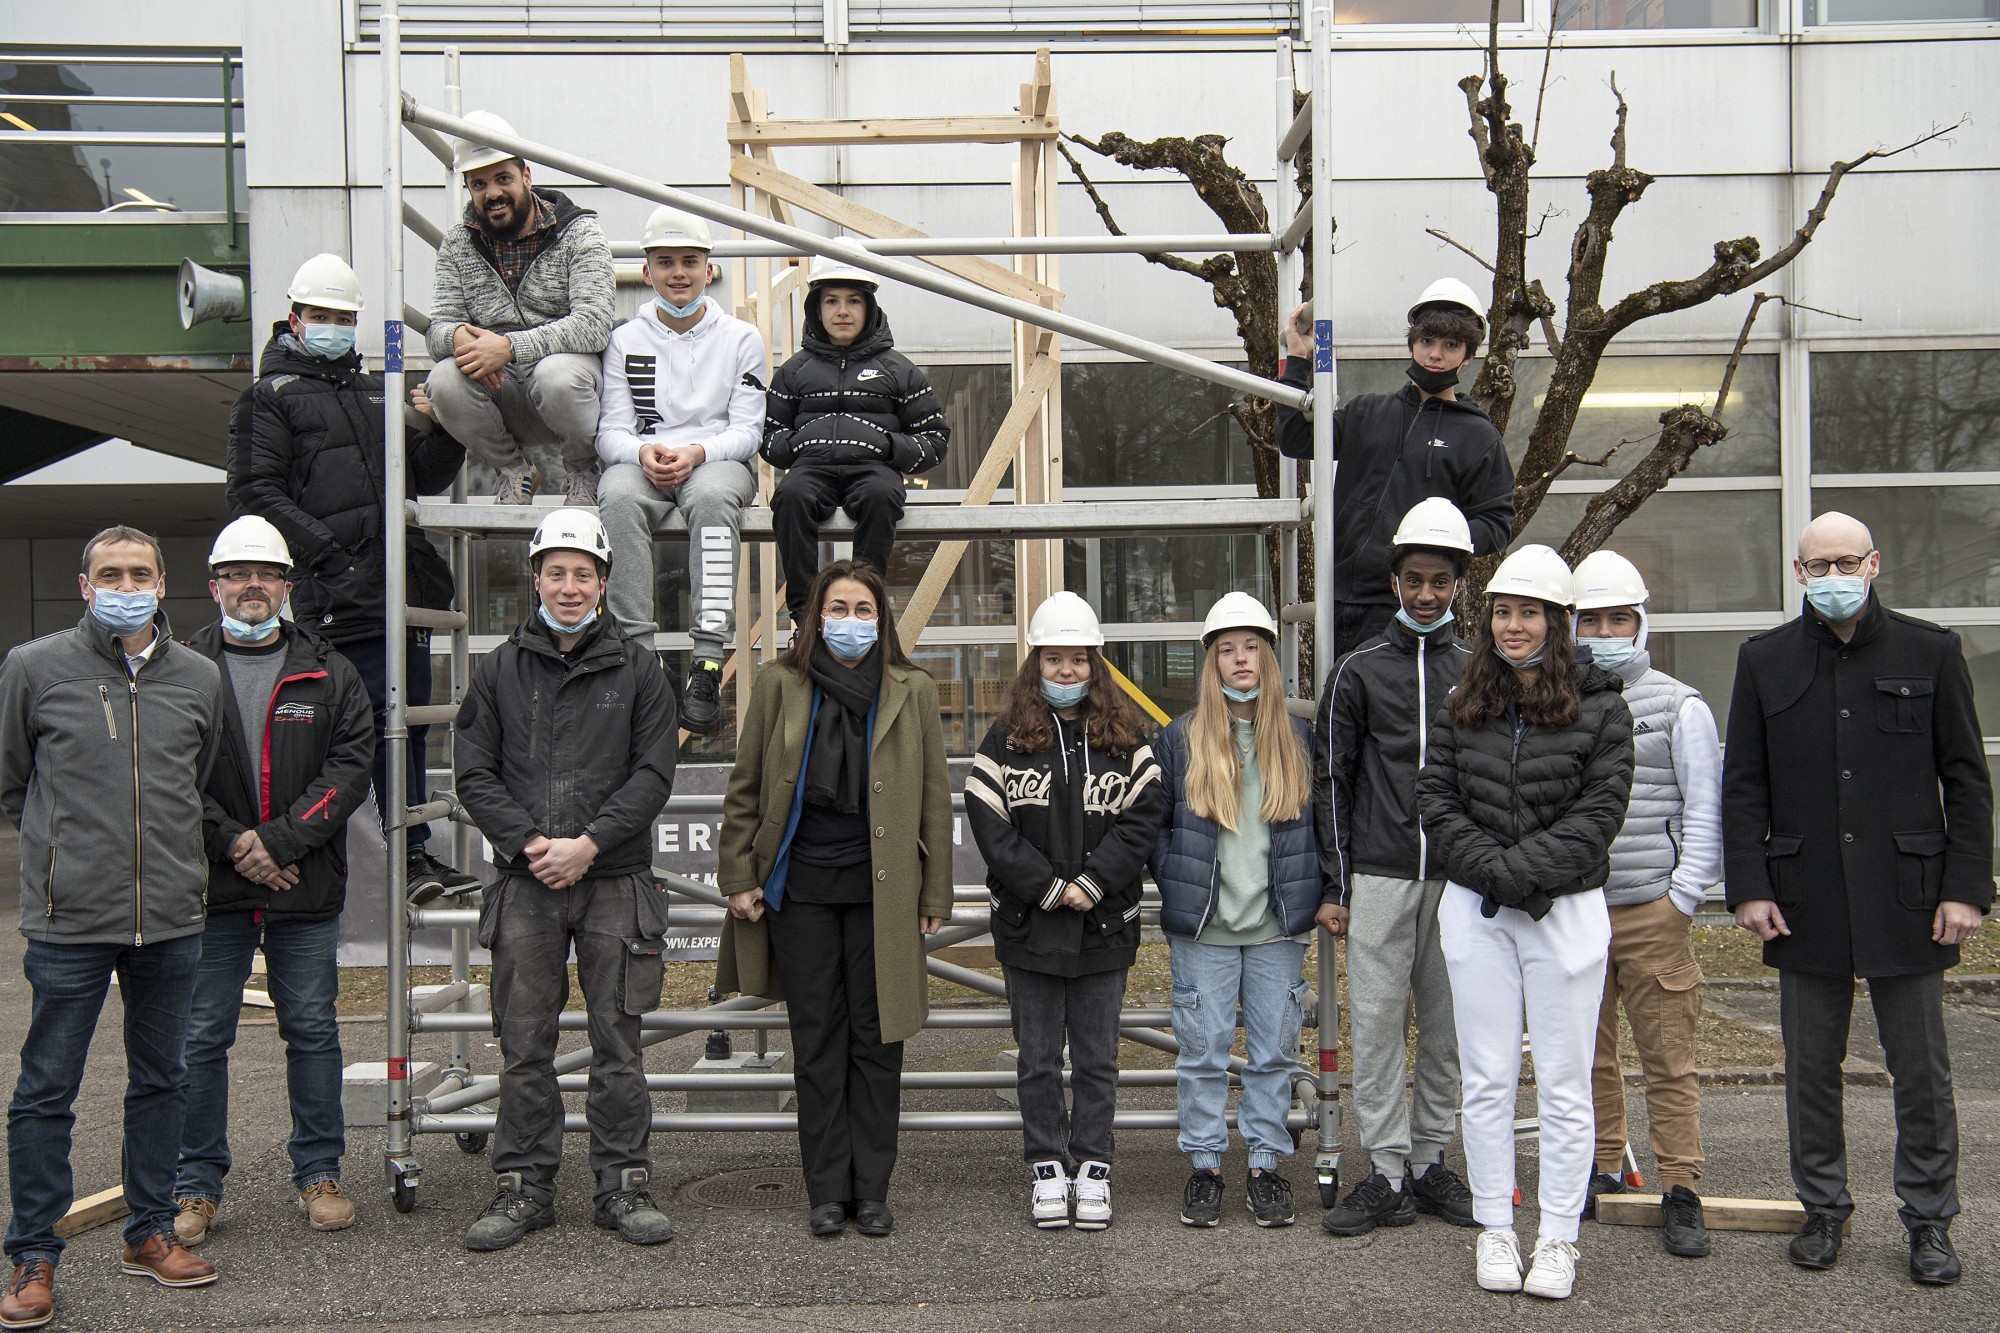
(1431, 381)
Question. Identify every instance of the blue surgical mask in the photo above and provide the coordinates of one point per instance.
(848, 636)
(124, 612)
(1432, 628)
(1533, 659)
(1064, 696)
(329, 342)
(680, 311)
(558, 627)
(1236, 696)
(1837, 596)
(244, 632)
(1612, 653)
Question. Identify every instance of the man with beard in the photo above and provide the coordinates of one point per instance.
(521, 312)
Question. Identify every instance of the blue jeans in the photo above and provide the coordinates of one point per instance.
(155, 984)
(303, 977)
(1209, 981)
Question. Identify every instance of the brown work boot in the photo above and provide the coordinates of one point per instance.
(194, 1221)
(326, 1207)
(164, 1259)
(31, 1296)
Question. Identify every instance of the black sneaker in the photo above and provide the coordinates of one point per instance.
(1369, 1205)
(1201, 1201)
(1269, 1196)
(1439, 1192)
(431, 879)
(1601, 1182)
(1686, 1231)
(513, 1214)
(701, 702)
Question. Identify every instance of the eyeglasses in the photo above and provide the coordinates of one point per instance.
(246, 576)
(1846, 564)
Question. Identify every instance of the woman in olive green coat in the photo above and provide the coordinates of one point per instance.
(836, 856)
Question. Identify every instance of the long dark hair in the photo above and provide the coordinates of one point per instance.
(805, 638)
(1110, 721)
(1489, 684)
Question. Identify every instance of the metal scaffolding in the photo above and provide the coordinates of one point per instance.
(460, 1007)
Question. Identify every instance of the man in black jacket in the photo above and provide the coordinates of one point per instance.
(565, 756)
(305, 452)
(293, 767)
(850, 417)
(1857, 829)
(1396, 449)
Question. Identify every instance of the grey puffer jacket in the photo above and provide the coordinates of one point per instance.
(102, 771)
(564, 303)
(1524, 814)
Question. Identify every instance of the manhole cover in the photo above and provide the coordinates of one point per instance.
(760, 1187)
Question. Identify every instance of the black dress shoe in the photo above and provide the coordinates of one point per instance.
(829, 1219)
(1818, 1243)
(872, 1218)
(1932, 1260)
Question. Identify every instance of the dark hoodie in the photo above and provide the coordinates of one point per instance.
(862, 403)
(305, 452)
(1395, 449)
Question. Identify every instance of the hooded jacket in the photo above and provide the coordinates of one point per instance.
(1371, 738)
(1524, 814)
(319, 747)
(862, 403)
(305, 452)
(565, 301)
(1069, 812)
(1395, 449)
(102, 771)
(556, 747)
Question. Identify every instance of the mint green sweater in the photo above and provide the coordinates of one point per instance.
(1243, 860)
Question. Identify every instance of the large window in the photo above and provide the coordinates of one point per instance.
(1923, 412)
(1899, 11)
(1578, 15)
(1423, 11)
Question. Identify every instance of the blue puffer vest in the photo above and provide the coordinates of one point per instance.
(1183, 862)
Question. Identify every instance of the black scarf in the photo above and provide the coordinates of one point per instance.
(837, 768)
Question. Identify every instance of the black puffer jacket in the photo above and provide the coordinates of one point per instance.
(1067, 813)
(862, 403)
(305, 452)
(561, 748)
(319, 745)
(1524, 814)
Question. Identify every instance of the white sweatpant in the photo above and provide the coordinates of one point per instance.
(1555, 969)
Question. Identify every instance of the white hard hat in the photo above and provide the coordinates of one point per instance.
(327, 282)
(469, 156)
(1065, 621)
(828, 271)
(253, 540)
(1532, 571)
(669, 228)
(1238, 610)
(1452, 292)
(1606, 578)
(1435, 522)
(571, 530)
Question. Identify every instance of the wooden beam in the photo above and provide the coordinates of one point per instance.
(1724, 1214)
(783, 186)
(910, 130)
(94, 1211)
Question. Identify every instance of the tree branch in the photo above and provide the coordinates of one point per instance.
(1177, 263)
(1465, 250)
(1541, 93)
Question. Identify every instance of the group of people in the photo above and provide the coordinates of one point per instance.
(1511, 828)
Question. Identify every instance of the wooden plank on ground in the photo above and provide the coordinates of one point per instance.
(889, 129)
(94, 1211)
(1721, 1214)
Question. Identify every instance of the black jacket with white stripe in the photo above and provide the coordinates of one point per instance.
(1070, 813)
(862, 403)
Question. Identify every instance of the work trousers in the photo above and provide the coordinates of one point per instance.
(711, 500)
(1395, 965)
(872, 495)
(1652, 971)
(1084, 1010)
(554, 399)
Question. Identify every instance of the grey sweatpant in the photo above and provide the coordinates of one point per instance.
(1393, 958)
(711, 500)
(554, 399)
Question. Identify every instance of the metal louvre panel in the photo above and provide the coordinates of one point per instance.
(594, 20)
(949, 18)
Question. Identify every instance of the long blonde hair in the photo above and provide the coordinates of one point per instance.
(1215, 770)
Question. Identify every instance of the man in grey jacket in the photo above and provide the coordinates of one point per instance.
(113, 878)
(521, 311)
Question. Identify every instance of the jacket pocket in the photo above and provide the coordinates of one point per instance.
(645, 973)
(1903, 703)
(1919, 868)
(1781, 859)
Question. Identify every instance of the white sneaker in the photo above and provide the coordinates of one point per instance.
(1551, 1270)
(1093, 1196)
(1051, 1203)
(1499, 1260)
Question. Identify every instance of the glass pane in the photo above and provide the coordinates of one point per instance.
(1423, 11)
(1705, 659)
(1940, 544)
(1137, 424)
(1982, 659)
(1160, 579)
(1900, 11)
(975, 400)
(1600, 14)
(1906, 411)
(1673, 541)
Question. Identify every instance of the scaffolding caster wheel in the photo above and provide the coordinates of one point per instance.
(471, 1144)
(1329, 1190)
(403, 1193)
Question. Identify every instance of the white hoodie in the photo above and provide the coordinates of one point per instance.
(702, 387)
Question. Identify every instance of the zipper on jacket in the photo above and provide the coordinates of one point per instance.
(50, 910)
(1514, 768)
(138, 837)
(1423, 749)
(110, 718)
